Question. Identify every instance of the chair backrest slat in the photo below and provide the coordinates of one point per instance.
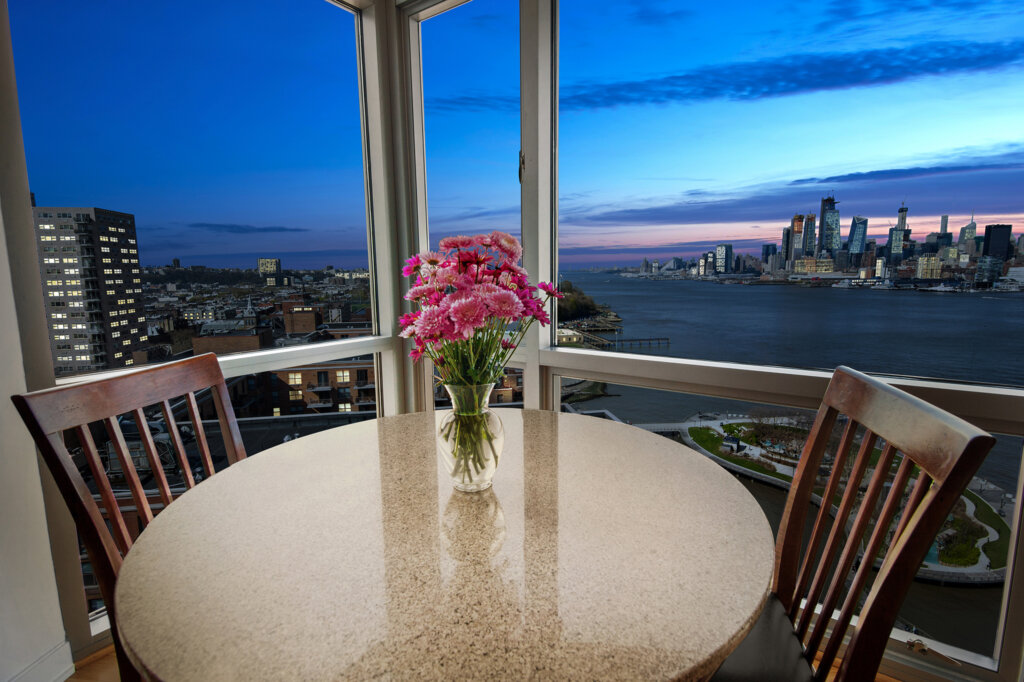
(179, 447)
(920, 489)
(940, 450)
(851, 547)
(791, 528)
(197, 425)
(99, 475)
(824, 514)
(131, 476)
(867, 563)
(155, 464)
(836, 538)
(66, 411)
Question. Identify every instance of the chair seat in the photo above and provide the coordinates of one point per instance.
(770, 652)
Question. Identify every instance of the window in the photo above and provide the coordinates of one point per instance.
(472, 143)
(344, 407)
(342, 375)
(295, 378)
(295, 395)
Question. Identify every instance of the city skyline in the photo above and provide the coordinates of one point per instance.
(230, 150)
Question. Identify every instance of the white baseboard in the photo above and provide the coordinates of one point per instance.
(53, 666)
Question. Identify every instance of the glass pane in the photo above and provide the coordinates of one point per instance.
(852, 214)
(229, 147)
(471, 98)
(957, 595)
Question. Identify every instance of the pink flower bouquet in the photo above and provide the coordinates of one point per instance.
(475, 304)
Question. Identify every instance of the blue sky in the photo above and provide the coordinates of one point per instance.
(230, 129)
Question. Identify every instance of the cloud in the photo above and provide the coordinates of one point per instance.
(475, 213)
(234, 228)
(960, 184)
(918, 172)
(778, 77)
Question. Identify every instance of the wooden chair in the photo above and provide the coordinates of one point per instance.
(57, 416)
(922, 449)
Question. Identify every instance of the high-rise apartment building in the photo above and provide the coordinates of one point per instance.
(997, 241)
(723, 258)
(270, 272)
(831, 240)
(944, 227)
(89, 264)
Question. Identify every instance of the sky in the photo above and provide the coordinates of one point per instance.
(231, 128)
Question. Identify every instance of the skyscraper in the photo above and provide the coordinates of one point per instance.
(944, 228)
(809, 240)
(89, 262)
(831, 240)
(270, 271)
(787, 245)
(858, 234)
(967, 233)
(723, 258)
(796, 245)
(897, 235)
(997, 242)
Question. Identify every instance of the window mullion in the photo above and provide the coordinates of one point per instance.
(537, 163)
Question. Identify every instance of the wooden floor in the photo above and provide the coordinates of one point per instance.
(99, 667)
(102, 667)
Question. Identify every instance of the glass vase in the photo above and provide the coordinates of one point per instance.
(470, 438)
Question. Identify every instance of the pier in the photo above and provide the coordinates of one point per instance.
(595, 341)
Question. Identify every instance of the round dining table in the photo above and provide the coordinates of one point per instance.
(602, 551)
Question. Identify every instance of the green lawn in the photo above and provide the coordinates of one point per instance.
(711, 440)
(996, 550)
(742, 431)
(960, 549)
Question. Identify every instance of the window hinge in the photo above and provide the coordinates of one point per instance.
(922, 648)
(522, 165)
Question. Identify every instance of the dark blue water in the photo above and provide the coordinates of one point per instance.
(963, 337)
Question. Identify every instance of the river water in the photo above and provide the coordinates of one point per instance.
(962, 337)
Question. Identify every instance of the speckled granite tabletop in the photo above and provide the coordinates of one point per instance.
(602, 551)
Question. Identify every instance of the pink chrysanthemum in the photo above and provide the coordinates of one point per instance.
(445, 277)
(550, 289)
(459, 242)
(433, 323)
(467, 314)
(416, 293)
(411, 267)
(507, 244)
(504, 304)
(432, 257)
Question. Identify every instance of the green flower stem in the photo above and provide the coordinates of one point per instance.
(467, 433)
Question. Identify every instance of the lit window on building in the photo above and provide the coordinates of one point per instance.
(295, 378)
(295, 395)
(344, 407)
(342, 375)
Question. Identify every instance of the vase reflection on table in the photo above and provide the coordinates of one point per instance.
(475, 304)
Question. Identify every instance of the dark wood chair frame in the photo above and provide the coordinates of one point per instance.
(51, 412)
(947, 452)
